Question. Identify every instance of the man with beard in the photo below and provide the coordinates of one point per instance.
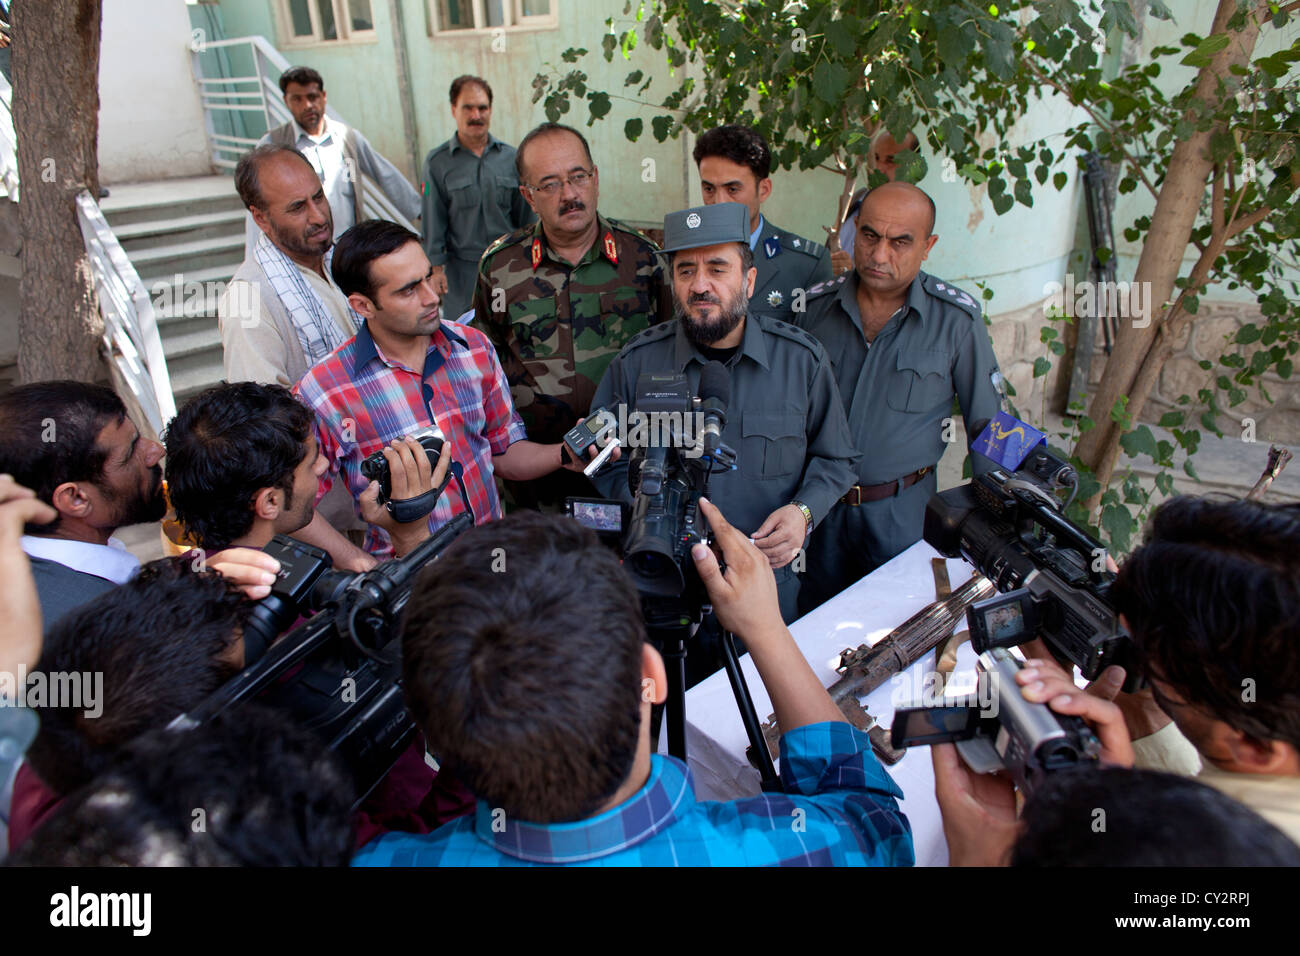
(560, 298)
(471, 196)
(74, 445)
(785, 419)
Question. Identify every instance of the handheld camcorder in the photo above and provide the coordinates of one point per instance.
(338, 671)
(667, 476)
(998, 729)
(1052, 574)
(375, 467)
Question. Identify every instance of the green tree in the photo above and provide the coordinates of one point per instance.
(1217, 158)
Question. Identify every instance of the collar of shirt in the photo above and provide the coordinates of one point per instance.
(848, 299)
(668, 795)
(753, 236)
(597, 249)
(111, 562)
(492, 143)
(754, 344)
(324, 139)
(366, 351)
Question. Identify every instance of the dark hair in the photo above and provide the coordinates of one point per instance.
(739, 144)
(246, 184)
(1121, 817)
(361, 245)
(535, 712)
(270, 793)
(155, 640)
(1212, 599)
(461, 82)
(303, 76)
(543, 130)
(223, 447)
(48, 433)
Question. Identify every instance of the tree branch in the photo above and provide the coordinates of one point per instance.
(1217, 222)
(1237, 226)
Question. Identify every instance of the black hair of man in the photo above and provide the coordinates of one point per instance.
(738, 144)
(270, 794)
(223, 447)
(537, 713)
(246, 184)
(461, 82)
(49, 432)
(303, 76)
(546, 129)
(894, 187)
(746, 258)
(361, 245)
(158, 641)
(1212, 598)
(1120, 817)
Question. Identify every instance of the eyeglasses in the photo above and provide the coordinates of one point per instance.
(552, 187)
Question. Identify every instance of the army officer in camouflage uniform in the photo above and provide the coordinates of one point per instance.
(560, 298)
(902, 343)
(784, 419)
(736, 166)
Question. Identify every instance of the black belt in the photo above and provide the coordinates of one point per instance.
(860, 493)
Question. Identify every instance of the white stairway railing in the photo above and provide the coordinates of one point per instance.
(255, 95)
(8, 143)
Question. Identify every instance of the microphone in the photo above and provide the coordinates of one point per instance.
(715, 395)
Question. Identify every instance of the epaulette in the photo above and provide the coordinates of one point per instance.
(652, 334)
(830, 285)
(509, 239)
(800, 244)
(795, 334)
(631, 231)
(441, 148)
(947, 292)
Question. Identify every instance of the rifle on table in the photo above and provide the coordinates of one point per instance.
(1278, 456)
(870, 665)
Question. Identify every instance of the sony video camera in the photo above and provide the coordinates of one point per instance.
(1052, 575)
(338, 671)
(668, 473)
(998, 729)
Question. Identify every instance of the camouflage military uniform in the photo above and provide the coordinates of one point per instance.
(556, 326)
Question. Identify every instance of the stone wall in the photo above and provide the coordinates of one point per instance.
(1017, 341)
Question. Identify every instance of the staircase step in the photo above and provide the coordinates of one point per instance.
(161, 232)
(184, 258)
(192, 342)
(131, 203)
(189, 381)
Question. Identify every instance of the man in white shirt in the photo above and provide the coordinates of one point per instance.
(338, 153)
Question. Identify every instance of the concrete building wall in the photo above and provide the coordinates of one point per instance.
(150, 119)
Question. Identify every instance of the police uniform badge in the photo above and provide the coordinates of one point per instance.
(774, 298)
(611, 251)
(772, 247)
(537, 253)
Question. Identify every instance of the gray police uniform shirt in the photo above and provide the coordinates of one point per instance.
(898, 390)
(468, 203)
(784, 420)
(788, 268)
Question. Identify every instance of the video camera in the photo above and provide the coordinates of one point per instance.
(998, 729)
(338, 672)
(1052, 574)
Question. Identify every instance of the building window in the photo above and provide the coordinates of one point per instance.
(326, 21)
(451, 16)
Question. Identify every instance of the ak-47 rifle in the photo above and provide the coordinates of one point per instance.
(870, 665)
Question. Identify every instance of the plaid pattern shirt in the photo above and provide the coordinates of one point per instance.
(839, 809)
(362, 401)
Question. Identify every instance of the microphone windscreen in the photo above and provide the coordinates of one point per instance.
(715, 382)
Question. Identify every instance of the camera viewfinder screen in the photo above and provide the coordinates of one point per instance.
(1005, 622)
(599, 517)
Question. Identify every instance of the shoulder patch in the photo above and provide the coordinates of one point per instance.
(795, 334)
(800, 244)
(652, 334)
(631, 231)
(830, 285)
(947, 292)
(509, 239)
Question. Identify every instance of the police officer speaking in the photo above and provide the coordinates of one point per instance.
(902, 343)
(785, 418)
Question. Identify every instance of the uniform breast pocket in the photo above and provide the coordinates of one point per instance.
(536, 329)
(507, 188)
(623, 313)
(772, 446)
(462, 193)
(921, 381)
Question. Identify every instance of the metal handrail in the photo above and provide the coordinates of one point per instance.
(268, 63)
(131, 337)
(8, 143)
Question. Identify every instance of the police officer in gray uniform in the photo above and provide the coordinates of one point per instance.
(736, 166)
(902, 344)
(785, 419)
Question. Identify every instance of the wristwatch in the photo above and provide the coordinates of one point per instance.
(807, 517)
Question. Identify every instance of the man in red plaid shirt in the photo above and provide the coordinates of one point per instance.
(410, 371)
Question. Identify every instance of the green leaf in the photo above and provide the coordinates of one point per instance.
(599, 105)
(1119, 526)
(1191, 471)
(1171, 419)
(1140, 441)
(1247, 334)
(1002, 204)
(1284, 368)
(660, 125)
(1041, 367)
(608, 44)
(1059, 180)
(1205, 50)
(1119, 411)
(998, 55)
(911, 166)
(632, 128)
(633, 78)
(829, 82)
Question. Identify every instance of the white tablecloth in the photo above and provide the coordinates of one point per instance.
(864, 613)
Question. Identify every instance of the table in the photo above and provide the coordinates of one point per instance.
(863, 613)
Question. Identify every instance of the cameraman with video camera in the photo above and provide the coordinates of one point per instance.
(549, 725)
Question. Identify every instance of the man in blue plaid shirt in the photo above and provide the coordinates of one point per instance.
(526, 666)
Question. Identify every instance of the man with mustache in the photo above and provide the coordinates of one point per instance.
(338, 153)
(785, 419)
(902, 344)
(471, 195)
(560, 298)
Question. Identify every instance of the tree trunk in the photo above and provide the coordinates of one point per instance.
(56, 119)
(1175, 215)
